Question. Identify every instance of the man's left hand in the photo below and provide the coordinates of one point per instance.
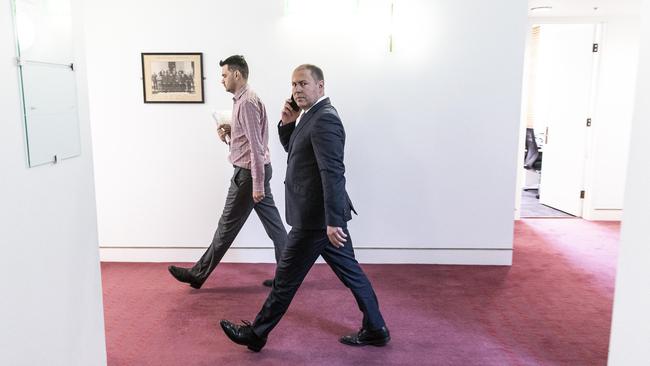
(258, 196)
(336, 236)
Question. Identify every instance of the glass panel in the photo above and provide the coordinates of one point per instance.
(44, 30)
(50, 101)
(48, 83)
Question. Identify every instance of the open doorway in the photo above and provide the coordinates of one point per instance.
(561, 67)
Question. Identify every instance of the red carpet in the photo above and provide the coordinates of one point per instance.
(552, 307)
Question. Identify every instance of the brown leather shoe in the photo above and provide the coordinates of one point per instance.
(243, 334)
(367, 337)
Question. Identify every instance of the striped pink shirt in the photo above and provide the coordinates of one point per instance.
(249, 135)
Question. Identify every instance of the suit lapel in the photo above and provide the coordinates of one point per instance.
(306, 119)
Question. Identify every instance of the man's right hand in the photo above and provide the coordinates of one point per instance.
(223, 130)
(288, 114)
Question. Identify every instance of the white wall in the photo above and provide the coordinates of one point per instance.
(612, 120)
(631, 320)
(51, 306)
(431, 129)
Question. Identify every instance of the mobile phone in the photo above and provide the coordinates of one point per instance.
(293, 104)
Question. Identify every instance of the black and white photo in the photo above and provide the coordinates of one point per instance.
(172, 77)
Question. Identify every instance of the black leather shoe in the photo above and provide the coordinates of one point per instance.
(184, 275)
(243, 334)
(366, 337)
(268, 283)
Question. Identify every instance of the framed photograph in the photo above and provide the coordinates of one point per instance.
(172, 77)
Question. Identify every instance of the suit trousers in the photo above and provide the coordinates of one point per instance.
(303, 248)
(239, 204)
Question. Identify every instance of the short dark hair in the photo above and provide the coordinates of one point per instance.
(316, 71)
(236, 62)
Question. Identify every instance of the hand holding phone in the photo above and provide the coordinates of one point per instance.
(293, 104)
(290, 111)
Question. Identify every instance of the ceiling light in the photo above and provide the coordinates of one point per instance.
(541, 8)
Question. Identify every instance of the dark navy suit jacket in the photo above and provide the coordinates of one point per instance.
(315, 182)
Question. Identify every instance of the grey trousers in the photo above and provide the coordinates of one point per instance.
(239, 204)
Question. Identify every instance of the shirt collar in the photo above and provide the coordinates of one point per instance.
(318, 101)
(305, 111)
(239, 94)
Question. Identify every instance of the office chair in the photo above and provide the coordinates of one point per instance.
(533, 160)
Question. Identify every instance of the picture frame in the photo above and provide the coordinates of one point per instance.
(172, 77)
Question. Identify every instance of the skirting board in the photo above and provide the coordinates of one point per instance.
(601, 214)
(499, 257)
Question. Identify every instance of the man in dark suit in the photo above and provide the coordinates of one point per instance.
(317, 208)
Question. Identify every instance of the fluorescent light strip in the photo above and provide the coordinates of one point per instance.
(541, 8)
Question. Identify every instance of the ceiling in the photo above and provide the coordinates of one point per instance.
(585, 8)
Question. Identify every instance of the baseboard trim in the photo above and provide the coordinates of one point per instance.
(604, 215)
(464, 256)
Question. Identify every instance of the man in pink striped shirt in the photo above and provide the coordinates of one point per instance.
(250, 188)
